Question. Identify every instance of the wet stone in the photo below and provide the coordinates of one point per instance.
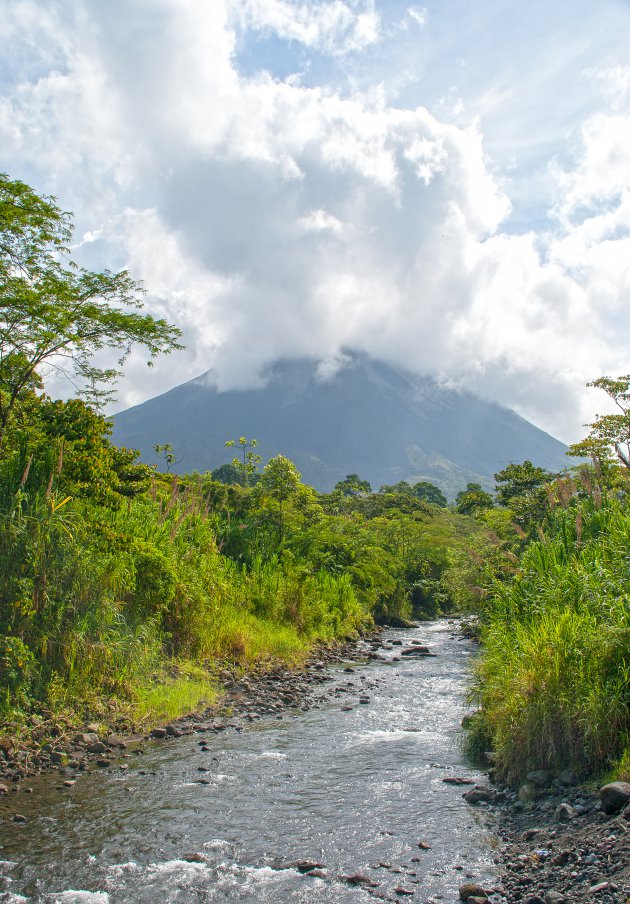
(359, 879)
(478, 794)
(471, 890)
(614, 796)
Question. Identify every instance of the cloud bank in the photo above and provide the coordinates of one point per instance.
(277, 216)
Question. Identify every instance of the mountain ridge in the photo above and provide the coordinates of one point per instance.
(369, 418)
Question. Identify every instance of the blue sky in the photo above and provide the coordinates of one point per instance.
(443, 185)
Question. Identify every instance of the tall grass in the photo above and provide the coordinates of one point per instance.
(96, 602)
(553, 680)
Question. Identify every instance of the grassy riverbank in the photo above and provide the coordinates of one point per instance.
(553, 677)
(124, 590)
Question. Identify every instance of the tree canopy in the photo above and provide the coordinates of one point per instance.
(430, 493)
(609, 431)
(473, 499)
(352, 485)
(56, 315)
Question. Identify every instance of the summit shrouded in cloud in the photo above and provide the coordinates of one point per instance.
(442, 186)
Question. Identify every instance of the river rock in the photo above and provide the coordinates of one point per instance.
(302, 866)
(158, 733)
(478, 794)
(565, 813)
(554, 897)
(540, 777)
(359, 879)
(97, 747)
(472, 890)
(457, 780)
(614, 796)
(527, 792)
(194, 857)
(399, 890)
(533, 899)
(19, 818)
(417, 651)
(4, 789)
(173, 731)
(85, 738)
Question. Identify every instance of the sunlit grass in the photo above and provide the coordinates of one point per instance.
(554, 674)
(170, 697)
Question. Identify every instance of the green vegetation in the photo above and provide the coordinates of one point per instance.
(553, 680)
(122, 590)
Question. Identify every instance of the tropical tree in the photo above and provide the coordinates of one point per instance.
(430, 493)
(609, 431)
(247, 464)
(166, 451)
(352, 485)
(473, 499)
(55, 315)
(281, 483)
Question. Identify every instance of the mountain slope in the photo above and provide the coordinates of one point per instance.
(384, 424)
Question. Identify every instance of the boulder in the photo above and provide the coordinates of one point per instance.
(478, 794)
(359, 879)
(614, 796)
(539, 777)
(527, 792)
(173, 731)
(98, 747)
(565, 813)
(302, 866)
(472, 890)
(85, 737)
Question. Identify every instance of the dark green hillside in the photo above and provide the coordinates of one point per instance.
(382, 423)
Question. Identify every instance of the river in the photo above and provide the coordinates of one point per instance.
(346, 784)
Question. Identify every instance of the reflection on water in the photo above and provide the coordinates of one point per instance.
(350, 789)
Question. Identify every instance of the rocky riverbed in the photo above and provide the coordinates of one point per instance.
(561, 843)
(246, 697)
(556, 842)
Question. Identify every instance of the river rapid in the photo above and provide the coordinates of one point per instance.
(346, 784)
